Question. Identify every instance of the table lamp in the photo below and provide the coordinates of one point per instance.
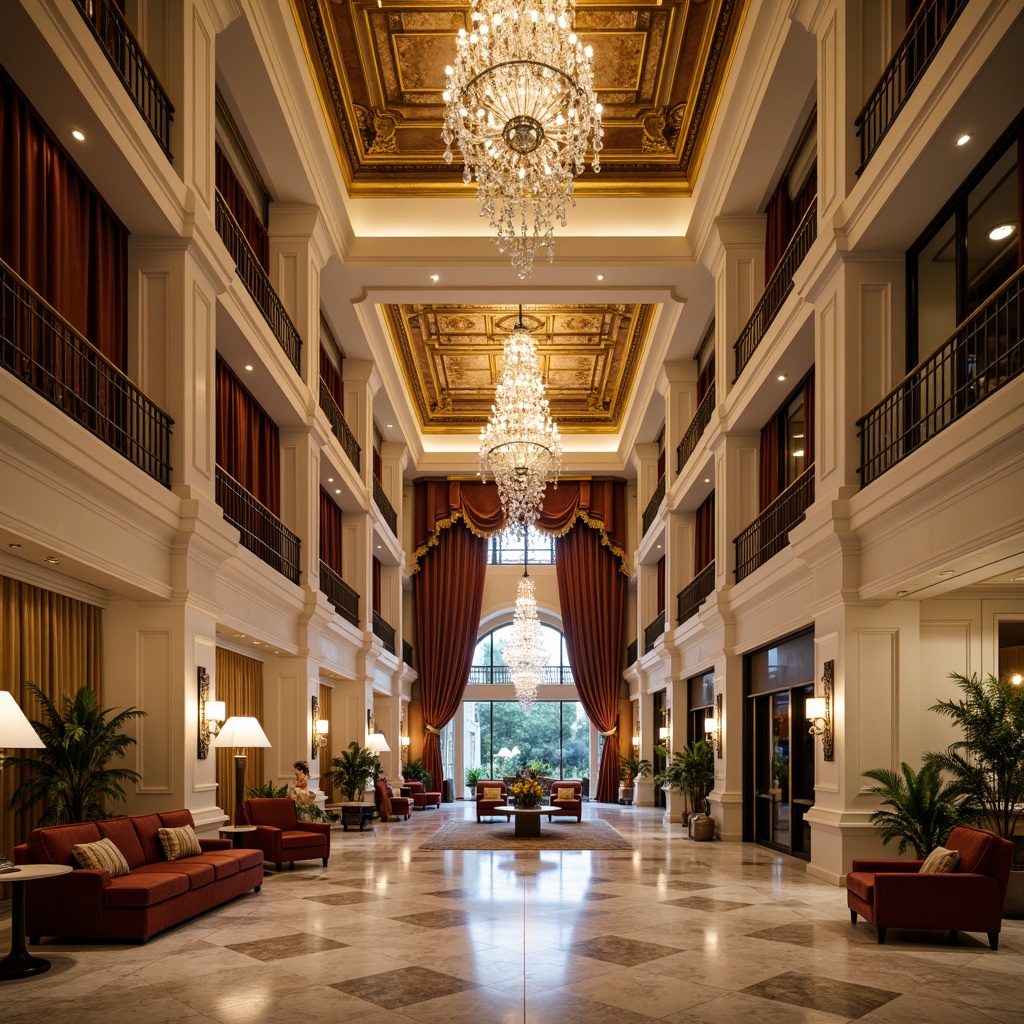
(15, 729)
(240, 732)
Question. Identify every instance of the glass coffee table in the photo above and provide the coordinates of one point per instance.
(527, 819)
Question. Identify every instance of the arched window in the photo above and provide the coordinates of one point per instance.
(489, 663)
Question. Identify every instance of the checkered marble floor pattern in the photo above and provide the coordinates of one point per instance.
(675, 931)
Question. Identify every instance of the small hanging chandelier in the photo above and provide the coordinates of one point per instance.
(520, 445)
(524, 652)
(521, 106)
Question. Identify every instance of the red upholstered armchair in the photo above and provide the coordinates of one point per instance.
(893, 893)
(280, 835)
(565, 804)
(421, 798)
(491, 793)
(389, 805)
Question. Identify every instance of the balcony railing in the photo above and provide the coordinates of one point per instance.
(695, 593)
(338, 425)
(652, 631)
(256, 282)
(695, 431)
(385, 632)
(380, 499)
(407, 653)
(768, 534)
(261, 531)
(44, 351)
(127, 59)
(496, 675)
(985, 352)
(920, 43)
(778, 287)
(651, 512)
(340, 594)
(630, 653)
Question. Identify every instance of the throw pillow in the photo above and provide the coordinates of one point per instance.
(940, 861)
(179, 842)
(565, 793)
(492, 793)
(102, 855)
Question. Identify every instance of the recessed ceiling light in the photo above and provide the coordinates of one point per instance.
(707, 479)
(1001, 231)
(798, 454)
(51, 560)
(1018, 579)
(963, 140)
(600, 277)
(14, 545)
(76, 134)
(378, 547)
(337, 490)
(781, 376)
(330, 479)
(248, 366)
(435, 277)
(659, 547)
(257, 642)
(390, 425)
(948, 572)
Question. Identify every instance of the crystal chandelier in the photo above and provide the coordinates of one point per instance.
(520, 104)
(524, 651)
(520, 446)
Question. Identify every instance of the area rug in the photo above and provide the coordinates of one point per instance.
(564, 835)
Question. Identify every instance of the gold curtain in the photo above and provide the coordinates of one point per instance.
(239, 683)
(325, 751)
(52, 641)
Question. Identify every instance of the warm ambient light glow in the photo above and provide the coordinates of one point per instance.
(16, 730)
(241, 731)
(376, 743)
(1001, 231)
(80, 136)
(710, 724)
(963, 140)
(815, 707)
(1016, 679)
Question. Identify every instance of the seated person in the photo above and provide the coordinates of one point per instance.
(306, 808)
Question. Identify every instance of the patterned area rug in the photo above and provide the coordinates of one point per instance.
(498, 835)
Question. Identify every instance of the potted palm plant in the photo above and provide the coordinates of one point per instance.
(352, 769)
(631, 769)
(473, 776)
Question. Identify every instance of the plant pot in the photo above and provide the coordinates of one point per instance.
(625, 794)
(702, 828)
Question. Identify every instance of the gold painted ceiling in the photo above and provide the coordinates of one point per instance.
(451, 358)
(379, 68)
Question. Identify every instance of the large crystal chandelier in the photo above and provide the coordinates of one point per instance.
(524, 651)
(520, 446)
(522, 108)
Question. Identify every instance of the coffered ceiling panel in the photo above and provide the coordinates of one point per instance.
(379, 69)
(451, 359)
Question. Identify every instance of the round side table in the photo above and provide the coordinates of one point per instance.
(235, 833)
(19, 963)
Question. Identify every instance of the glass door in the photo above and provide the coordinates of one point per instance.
(772, 770)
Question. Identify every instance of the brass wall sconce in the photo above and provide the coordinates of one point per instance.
(819, 712)
(320, 729)
(211, 714)
(713, 726)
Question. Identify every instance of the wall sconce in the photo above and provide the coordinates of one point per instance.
(819, 712)
(663, 733)
(320, 728)
(713, 726)
(636, 742)
(211, 714)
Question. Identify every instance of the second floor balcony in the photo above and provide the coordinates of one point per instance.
(339, 427)
(768, 534)
(380, 499)
(653, 631)
(695, 431)
(651, 512)
(695, 593)
(340, 594)
(384, 631)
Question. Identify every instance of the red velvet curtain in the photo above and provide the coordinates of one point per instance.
(448, 593)
(809, 419)
(704, 534)
(778, 229)
(238, 202)
(661, 584)
(330, 532)
(248, 447)
(593, 638)
(58, 234)
(769, 476)
(332, 379)
(375, 585)
(704, 380)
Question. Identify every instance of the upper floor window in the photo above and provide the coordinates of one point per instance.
(489, 661)
(536, 548)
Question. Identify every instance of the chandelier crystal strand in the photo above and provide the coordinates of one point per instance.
(524, 651)
(520, 445)
(521, 106)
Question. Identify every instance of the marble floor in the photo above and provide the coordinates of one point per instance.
(674, 931)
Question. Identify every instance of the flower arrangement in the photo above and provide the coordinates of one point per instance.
(527, 792)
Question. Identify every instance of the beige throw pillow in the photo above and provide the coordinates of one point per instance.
(179, 842)
(940, 861)
(492, 793)
(102, 855)
(565, 793)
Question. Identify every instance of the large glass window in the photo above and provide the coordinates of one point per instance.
(489, 658)
(536, 548)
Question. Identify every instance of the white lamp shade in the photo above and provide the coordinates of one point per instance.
(377, 743)
(815, 707)
(636, 741)
(15, 729)
(241, 731)
(663, 732)
(215, 710)
(406, 741)
(710, 723)
(322, 726)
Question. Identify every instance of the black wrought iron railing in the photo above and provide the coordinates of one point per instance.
(553, 675)
(919, 45)
(779, 285)
(125, 54)
(631, 649)
(652, 631)
(407, 653)
(339, 427)
(261, 531)
(651, 512)
(695, 593)
(44, 351)
(695, 431)
(768, 534)
(985, 352)
(256, 282)
(380, 499)
(385, 632)
(340, 594)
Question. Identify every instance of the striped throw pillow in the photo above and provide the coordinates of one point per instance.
(179, 842)
(102, 855)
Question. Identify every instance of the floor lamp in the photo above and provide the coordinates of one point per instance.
(16, 730)
(240, 732)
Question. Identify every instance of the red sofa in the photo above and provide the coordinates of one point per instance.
(486, 807)
(421, 798)
(894, 894)
(280, 836)
(566, 806)
(154, 895)
(389, 805)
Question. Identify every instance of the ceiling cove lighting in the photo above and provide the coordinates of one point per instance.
(521, 107)
(520, 445)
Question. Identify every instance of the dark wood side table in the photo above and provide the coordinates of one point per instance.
(235, 833)
(19, 963)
